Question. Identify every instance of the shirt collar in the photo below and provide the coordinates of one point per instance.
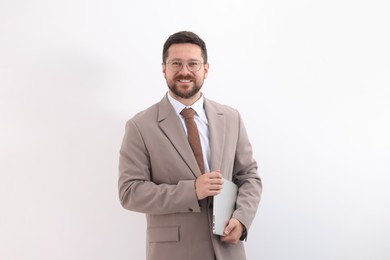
(198, 106)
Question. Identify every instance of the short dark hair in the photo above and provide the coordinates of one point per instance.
(184, 37)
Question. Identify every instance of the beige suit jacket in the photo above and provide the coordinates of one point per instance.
(157, 170)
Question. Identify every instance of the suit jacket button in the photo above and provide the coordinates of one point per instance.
(190, 210)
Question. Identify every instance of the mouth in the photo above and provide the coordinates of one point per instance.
(184, 80)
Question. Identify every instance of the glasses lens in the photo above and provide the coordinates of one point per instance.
(193, 65)
(175, 65)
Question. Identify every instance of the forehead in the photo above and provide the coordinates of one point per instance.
(185, 51)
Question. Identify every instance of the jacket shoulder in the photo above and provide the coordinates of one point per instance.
(217, 107)
(149, 112)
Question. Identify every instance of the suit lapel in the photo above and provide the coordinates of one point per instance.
(170, 124)
(216, 120)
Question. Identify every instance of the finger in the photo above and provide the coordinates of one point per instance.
(233, 223)
(215, 174)
(230, 239)
(216, 181)
(228, 228)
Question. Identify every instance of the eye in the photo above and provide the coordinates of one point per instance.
(193, 64)
(176, 63)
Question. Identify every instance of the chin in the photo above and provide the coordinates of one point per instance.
(187, 93)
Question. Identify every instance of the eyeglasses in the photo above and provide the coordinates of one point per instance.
(177, 65)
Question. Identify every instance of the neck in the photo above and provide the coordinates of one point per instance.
(186, 101)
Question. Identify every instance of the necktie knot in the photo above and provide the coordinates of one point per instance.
(187, 113)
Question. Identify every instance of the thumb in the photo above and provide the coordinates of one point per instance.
(228, 228)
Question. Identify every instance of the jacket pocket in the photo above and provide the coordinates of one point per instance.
(163, 234)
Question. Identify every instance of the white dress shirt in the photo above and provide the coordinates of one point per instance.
(201, 123)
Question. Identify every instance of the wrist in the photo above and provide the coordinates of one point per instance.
(244, 233)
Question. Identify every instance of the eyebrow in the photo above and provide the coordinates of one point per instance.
(185, 60)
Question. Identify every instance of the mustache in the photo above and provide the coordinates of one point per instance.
(185, 78)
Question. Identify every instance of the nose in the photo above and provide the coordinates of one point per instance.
(184, 69)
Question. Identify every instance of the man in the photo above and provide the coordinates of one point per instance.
(164, 175)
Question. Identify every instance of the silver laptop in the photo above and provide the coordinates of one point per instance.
(223, 206)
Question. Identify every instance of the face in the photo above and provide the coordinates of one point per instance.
(184, 85)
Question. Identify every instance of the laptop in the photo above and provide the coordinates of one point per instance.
(223, 206)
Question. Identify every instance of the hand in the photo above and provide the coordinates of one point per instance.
(208, 184)
(232, 232)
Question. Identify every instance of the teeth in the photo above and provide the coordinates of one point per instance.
(185, 80)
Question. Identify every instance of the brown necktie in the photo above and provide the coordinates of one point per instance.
(193, 136)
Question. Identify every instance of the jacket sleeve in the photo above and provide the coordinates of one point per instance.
(137, 191)
(245, 175)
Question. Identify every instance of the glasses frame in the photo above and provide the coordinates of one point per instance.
(169, 65)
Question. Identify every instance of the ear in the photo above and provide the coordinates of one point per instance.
(164, 69)
(206, 69)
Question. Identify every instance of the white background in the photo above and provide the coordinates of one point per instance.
(310, 78)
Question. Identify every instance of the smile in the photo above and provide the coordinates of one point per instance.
(184, 80)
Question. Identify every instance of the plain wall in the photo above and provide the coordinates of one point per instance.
(310, 78)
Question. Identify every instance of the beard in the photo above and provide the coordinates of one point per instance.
(185, 93)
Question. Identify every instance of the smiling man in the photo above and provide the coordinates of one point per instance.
(174, 157)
